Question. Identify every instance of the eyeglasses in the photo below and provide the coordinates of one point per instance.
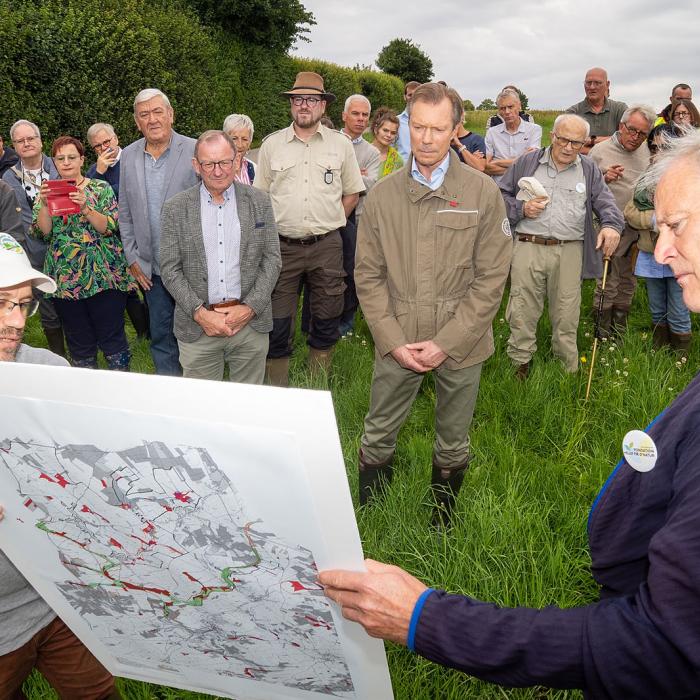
(63, 159)
(103, 144)
(635, 133)
(576, 145)
(25, 141)
(681, 115)
(208, 165)
(593, 83)
(311, 101)
(26, 308)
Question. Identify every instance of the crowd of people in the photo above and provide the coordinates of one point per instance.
(420, 223)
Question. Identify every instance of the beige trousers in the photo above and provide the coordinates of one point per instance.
(244, 352)
(538, 272)
(393, 392)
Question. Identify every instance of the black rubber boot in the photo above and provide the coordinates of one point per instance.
(660, 336)
(54, 337)
(445, 485)
(604, 323)
(138, 314)
(619, 322)
(374, 478)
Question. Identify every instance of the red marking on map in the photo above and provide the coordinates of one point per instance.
(172, 549)
(297, 586)
(182, 497)
(149, 528)
(294, 644)
(114, 543)
(61, 481)
(125, 506)
(315, 622)
(236, 637)
(47, 477)
(29, 503)
(104, 484)
(49, 498)
(147, 543)
(168, 508)
(190, 577)
(85, 509)
(134, 587)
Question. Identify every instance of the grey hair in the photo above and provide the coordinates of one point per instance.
(96, 128)
(213, 135)
(674, 150)
(562, 118)
(352, 98)
(239, 121)
(507, 92)
(645, 110)
(149, 94)
(24, 122)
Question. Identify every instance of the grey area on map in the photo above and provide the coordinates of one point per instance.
(168, 570)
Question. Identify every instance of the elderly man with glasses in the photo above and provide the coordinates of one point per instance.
(314, 182)
(220, 259)
(551, 196)
(622, 159)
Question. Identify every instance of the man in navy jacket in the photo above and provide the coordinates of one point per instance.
(642, 638)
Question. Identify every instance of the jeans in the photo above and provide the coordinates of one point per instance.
(164, 349)
(666, 304)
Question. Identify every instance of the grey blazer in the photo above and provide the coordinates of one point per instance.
(134, 226)
(183, 263)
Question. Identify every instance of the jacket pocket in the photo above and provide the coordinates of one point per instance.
(456, 233)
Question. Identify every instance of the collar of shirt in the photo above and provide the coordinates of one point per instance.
(291, 134)
(436, 177)
(503, 129)
(352, 140)
(118, 158)
(145, 146)
(546, 158)
(206, 194)
(589, 106)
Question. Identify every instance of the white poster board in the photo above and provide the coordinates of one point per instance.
(177, 527)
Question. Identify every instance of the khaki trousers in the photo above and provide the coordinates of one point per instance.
(244, 352)
(393, 392)
(538, 272)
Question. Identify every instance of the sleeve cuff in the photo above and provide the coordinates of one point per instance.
(415, 616)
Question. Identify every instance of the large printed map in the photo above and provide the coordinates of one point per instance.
(168, 570)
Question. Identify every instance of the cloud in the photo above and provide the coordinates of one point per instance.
(544, 49)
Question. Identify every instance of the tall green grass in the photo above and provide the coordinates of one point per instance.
(541, 455)
(476, 121)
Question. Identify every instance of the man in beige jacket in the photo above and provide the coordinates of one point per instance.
(433, 253)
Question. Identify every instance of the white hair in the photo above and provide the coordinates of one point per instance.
(238, 121)
(580, 121)
(24, 122)
(96, 128)
(507, 92)
(149, 94)
(352, 98)
(646, 111)
(673, 151)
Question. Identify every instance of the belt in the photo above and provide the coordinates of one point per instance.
(307, 240)
(223, 304)
(541, 240)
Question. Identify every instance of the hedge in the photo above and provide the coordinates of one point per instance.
(66, 64)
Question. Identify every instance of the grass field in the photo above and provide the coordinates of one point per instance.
(541, 456)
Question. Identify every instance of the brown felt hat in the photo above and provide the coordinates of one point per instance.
(308, 83)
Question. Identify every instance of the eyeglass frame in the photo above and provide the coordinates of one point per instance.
(26, 140)
(208, 166)
(310, 100)
(102, 145)
(576, 145)
(26, 308)
(635, 133)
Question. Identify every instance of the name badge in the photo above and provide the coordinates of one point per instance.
(328, 177)
(639, 450)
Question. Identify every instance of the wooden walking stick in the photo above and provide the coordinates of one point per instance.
(596, 326)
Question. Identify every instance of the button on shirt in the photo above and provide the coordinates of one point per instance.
(501, 143)
(436, 177)
(564, 218)
(221, 232)
(154, 171)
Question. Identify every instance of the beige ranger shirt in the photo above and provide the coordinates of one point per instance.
(306, 180)
(431, 265)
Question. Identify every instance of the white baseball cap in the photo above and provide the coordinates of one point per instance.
(15, 267)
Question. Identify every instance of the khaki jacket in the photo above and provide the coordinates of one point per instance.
(432, 265)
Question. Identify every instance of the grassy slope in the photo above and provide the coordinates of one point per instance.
(541, 456)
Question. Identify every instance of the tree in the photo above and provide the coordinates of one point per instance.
(487, 104)
(468, 105)
(403, 58)
(523, 99)
(274, 24)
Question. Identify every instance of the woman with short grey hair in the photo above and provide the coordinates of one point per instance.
(240, 128)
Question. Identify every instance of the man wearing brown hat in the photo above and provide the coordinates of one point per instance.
(313, 179)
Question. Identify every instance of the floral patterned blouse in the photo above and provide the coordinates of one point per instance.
(82, 261)
(393, 162)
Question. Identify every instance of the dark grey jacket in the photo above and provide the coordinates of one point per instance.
(183, 262)
(599, 200)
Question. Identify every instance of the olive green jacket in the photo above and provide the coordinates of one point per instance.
(431, 265)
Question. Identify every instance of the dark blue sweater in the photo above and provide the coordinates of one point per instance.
(111, 176)
(642, 639)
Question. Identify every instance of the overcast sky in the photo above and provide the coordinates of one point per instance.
(544, 48)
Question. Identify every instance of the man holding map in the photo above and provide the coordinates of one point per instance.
(31, 635)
